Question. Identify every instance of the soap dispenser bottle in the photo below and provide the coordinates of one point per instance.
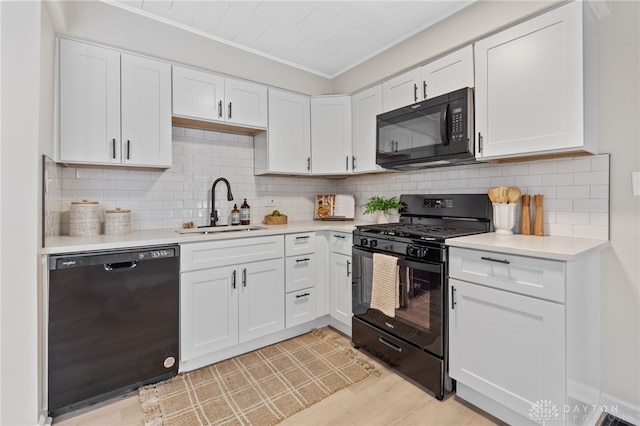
(245, 214)
(235, 215)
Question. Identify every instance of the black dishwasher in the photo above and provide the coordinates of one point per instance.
(113, 324)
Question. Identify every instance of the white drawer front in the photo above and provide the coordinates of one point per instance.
(300, 243)
(519, 274)
(341, 242)
(300, 306)
(300, 272)
(212, 254)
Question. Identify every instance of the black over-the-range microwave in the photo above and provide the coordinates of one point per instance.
(435, 132)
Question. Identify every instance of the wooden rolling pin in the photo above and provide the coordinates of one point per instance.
(525, 222)
(538, 223)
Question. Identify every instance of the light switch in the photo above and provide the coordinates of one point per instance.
(635, 178)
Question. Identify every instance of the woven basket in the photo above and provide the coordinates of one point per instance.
(275, 220)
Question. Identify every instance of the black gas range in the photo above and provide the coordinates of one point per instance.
(412, 338)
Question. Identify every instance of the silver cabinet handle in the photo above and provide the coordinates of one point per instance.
(233, 279)
(114, 148)
(424, 89)
(491, 259)
(346, 163)
(339, 236)
(303, 237)
(229, 109)
(306, 259)
(348, 268)
(219, 109)
(415, 92)
(244, 277)
(453, 297)
(128, 149)
(308, 163)
(353, 162)
(480, 142)
(302, 295)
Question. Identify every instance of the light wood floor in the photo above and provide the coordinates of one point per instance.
(384, 400)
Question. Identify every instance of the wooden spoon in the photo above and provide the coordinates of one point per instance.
(503, 194)
(494, 195)
(513, 194)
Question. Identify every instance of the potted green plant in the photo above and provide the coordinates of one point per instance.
(384, 207)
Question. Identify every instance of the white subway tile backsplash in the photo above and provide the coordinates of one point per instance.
(581, 164)
(575, 190)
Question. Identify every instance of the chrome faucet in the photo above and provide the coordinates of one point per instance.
(214, 212)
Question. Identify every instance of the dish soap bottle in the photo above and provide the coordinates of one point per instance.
(235, 215)
(245, 214)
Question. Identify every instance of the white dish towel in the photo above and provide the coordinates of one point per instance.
(385, 283)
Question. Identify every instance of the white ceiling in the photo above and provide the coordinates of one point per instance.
(322, 37)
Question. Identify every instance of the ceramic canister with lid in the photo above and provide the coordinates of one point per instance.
(84, 218)
(117, 222)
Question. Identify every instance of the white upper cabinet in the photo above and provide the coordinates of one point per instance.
(246, 102)
(109, 116)
(146, 112)
(286, 146)
(401, 90)
(331, 135)
(365, 106)
(199, 95)
(451, 72)
(531, 86)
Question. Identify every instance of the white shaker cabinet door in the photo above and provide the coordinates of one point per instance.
(529, 86)
(245, 103)
(89, 103)
(197, 94)
(262, 298)
(331, 135)
(286, 146)
(208, 311)
(449, 73)
(365, 107)
(508, 347)
(402, 90)
(340, 304)
(146, 112)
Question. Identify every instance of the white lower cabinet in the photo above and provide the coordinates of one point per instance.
(226, 304)
(300, 282)
(516, 335)
(340, 279)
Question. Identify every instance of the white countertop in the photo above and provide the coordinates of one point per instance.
(67, 244)
(547, 247)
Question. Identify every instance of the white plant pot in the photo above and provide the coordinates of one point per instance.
(382, 217)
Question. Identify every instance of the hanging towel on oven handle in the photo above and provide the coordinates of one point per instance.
(385, 284)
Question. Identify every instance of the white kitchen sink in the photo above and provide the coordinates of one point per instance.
(219, 229)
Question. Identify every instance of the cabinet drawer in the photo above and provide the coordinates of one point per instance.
(300, 306)
(213, 254)
(300, 243)
(341, 242)
(300, 272)
(519, 274)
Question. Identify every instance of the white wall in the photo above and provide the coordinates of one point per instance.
(619, 69)
(19, 216)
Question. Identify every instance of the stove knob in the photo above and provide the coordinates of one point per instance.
(373, 243)
(364, 242)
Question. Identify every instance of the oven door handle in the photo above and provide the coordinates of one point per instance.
(422, 266)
